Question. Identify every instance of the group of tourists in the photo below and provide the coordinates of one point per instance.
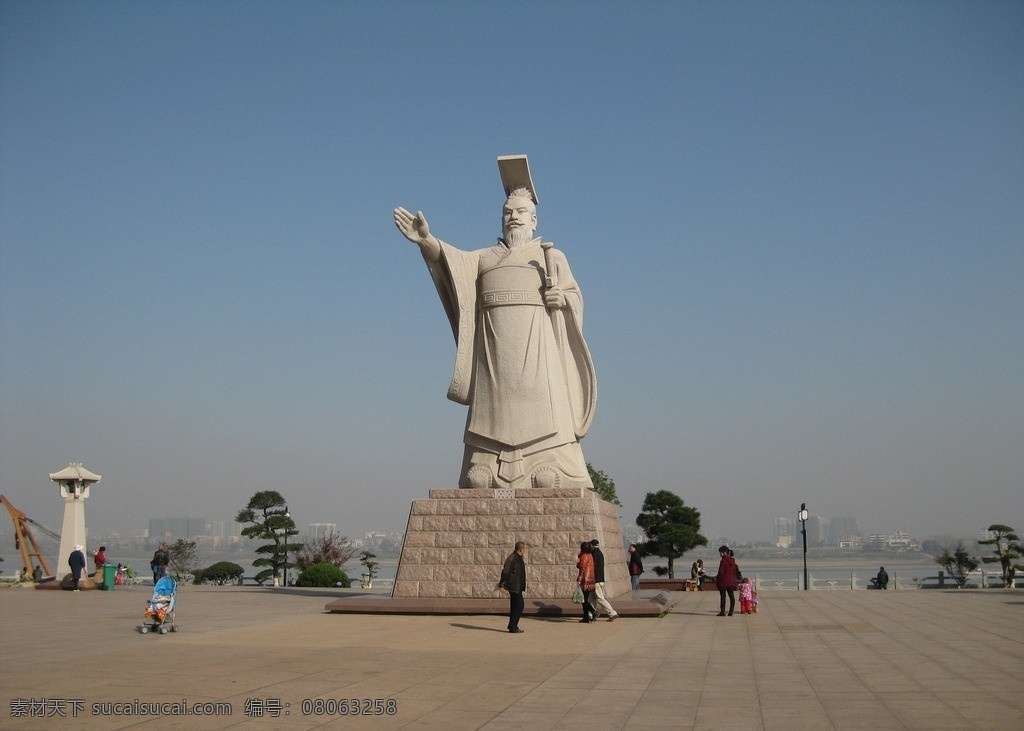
(590, 579)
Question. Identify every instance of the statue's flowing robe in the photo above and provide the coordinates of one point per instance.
(524, 370)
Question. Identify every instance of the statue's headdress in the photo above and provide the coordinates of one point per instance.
(515, 177)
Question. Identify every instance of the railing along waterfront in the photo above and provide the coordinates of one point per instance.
(838, 580)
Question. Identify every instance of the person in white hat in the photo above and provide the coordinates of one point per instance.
(77, 563)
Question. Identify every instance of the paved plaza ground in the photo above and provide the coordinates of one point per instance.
(269, 658)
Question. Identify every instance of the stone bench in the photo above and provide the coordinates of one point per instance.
(664, 584)
(940, 582)
(678, 584)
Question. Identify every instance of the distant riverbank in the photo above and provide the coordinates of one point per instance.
(768, 562)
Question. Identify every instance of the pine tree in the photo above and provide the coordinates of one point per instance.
(268, 514)
(1007, 548)
(671, 526)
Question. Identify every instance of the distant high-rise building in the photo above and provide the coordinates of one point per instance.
(785, 529)
(842, 529)
(633, 535)
(173, 528)
(320, 531)
(816, 528)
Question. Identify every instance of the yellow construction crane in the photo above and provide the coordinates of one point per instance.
(23, 537)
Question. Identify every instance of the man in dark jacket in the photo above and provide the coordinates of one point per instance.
(726, 580)
(76, 561)
(513, 580)
(161, 557)
(602, 601)
(636, 566)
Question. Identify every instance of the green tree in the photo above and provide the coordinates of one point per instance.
(323, 574)
(1007, 548)
(270, 521)
(222, 572)
(672, 528)
(604, 486)
(958, 564)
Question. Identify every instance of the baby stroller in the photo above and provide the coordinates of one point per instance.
(160, 610)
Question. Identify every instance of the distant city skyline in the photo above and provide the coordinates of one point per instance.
(231, 540)
(822, 530)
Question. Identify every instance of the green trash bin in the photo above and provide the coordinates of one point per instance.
(109, 577)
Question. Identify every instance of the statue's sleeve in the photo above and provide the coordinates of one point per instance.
(454, 276)
(577, 366)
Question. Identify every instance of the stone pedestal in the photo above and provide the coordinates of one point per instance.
(456, 542)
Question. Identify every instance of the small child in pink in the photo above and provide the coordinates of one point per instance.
(746, 596)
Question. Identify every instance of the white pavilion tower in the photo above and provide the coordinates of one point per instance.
(74, 481)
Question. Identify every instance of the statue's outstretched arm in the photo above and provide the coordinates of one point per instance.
(415, 229)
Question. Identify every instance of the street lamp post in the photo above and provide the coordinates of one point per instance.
(284, 568)
(802, 515)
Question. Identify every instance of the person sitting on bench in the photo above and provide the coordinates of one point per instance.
(881, 581)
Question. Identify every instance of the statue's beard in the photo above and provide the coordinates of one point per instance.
(518, 235)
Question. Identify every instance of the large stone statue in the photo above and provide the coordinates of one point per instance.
(521, 364)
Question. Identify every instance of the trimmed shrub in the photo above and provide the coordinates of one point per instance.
(323, 574)
(222, 572)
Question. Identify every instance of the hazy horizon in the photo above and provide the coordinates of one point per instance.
(627, 523)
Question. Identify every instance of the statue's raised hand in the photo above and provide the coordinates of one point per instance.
(415, 229)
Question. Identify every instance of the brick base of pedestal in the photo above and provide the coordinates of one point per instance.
(456, 542)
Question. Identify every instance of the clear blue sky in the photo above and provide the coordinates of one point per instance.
(798, 227)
